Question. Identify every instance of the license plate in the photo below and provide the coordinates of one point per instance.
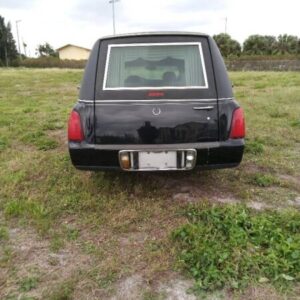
(158, 160)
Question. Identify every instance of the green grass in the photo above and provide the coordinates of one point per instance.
(4, 236)
(264, 180)
(234, 246)
(28, 283)
(119, 222)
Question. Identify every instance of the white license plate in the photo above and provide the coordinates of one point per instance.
(158, 160)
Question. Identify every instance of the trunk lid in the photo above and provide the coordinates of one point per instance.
(155, 122)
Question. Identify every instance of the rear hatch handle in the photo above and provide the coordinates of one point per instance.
(203, 107)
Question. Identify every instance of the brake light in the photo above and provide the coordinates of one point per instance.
(156, 94)
(238, 124)
(75, 132)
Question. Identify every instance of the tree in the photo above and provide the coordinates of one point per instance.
(46, 50)
(227, 45)
(260, 45)
(270, 44)
(8, 50)
(288, 44)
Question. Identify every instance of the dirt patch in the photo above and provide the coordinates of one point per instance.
(294, 180)
(33, 259)
(136, 287)
(130, 288)
(251, 168)
(261, 293)
(60, 136)
(184, 198)
(133, 239)
(177, 289)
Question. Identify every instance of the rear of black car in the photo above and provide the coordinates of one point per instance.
(158, 101)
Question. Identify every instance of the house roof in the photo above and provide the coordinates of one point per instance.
(72, 45)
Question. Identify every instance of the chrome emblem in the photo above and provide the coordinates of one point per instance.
(156, 111)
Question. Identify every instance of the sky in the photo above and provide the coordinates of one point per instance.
(82, 22)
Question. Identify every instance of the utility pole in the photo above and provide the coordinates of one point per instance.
(225, 25)
(112, 2)
(19, 47)
(24, 47)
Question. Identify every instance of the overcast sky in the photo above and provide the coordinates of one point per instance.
(81, 22)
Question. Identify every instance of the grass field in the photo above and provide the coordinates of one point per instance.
(66, 234)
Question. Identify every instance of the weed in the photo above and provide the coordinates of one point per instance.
(232, 246)
(278, 114)
(264, 180)
(153, 295)
(295, 123)
(64, 291)
(22, 207)
(6, 256)
(72, 234)
(3, 233)
(28, 283)
(57, 242)
(3, 143)
(255, 146)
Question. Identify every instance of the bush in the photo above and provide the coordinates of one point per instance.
(50, 62)
(233, 246)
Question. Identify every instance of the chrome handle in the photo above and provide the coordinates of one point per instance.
(203, 107)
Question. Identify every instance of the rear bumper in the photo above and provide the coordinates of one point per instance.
(210, 155)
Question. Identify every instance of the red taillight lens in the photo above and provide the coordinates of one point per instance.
(238, 124)
(155, 94)
(75, 132)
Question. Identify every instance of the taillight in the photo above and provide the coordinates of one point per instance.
(75, 132)
(238, 124)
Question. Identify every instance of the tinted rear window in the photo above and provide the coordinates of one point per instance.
(159, 65)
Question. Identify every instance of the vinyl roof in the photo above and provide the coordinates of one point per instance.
(133, 34)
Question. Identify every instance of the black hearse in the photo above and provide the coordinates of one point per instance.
(156, 101)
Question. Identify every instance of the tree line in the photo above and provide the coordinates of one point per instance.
(9, 54)
(8, 49)
(256, 44)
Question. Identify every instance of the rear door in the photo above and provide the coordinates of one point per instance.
(155, 90)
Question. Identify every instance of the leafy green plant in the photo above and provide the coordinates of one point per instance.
(296, 123)
(63, 291)
(230, 246)
(3, 233)
(255, 146)
(3, 144)
(264, 180)
(28, 283)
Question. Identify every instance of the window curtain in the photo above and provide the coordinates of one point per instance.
(193, 69)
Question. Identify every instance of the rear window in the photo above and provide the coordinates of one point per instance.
(158, 66)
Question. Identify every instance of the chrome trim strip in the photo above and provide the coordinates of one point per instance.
(230, 98)
(154, 101)
(151, 100)
(205, 86)
(203, 107)
(161, 169)
(156, 147)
